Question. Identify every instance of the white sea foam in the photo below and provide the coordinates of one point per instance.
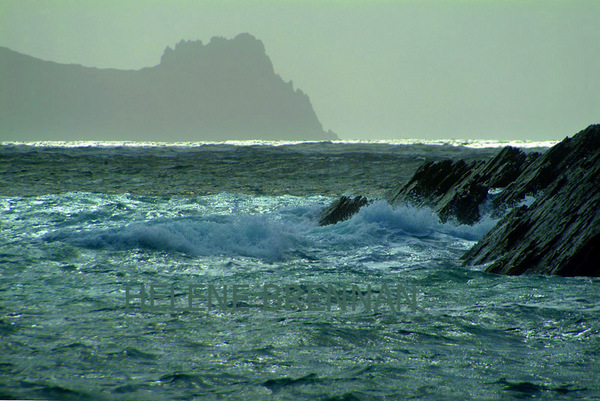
(272, 234)
(380, 219)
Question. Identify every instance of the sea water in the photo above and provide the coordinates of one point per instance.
(199, 271)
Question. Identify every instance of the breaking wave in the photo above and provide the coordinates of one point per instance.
(274, 236)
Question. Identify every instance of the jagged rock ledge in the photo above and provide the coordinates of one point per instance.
(457, 189)
(559, 233)
(451, 188)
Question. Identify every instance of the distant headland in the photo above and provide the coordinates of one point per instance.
(224, 90)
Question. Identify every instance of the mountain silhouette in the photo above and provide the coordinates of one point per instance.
(224, 90)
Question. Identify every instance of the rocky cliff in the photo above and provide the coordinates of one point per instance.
(559, 233)
(224, 90)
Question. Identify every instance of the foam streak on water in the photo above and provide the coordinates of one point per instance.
(67, 259)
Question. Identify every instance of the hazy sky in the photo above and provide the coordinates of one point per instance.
(491, 69)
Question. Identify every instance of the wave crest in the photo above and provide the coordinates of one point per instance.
(278, 235)
(236, 235)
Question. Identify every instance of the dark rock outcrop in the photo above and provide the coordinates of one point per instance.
(222, 90)
(560, 232)
(342, 209)
(457, 189)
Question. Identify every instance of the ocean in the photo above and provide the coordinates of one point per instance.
(153, 271)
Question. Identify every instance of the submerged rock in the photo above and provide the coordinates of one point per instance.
(560, 232)
(342, 209)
